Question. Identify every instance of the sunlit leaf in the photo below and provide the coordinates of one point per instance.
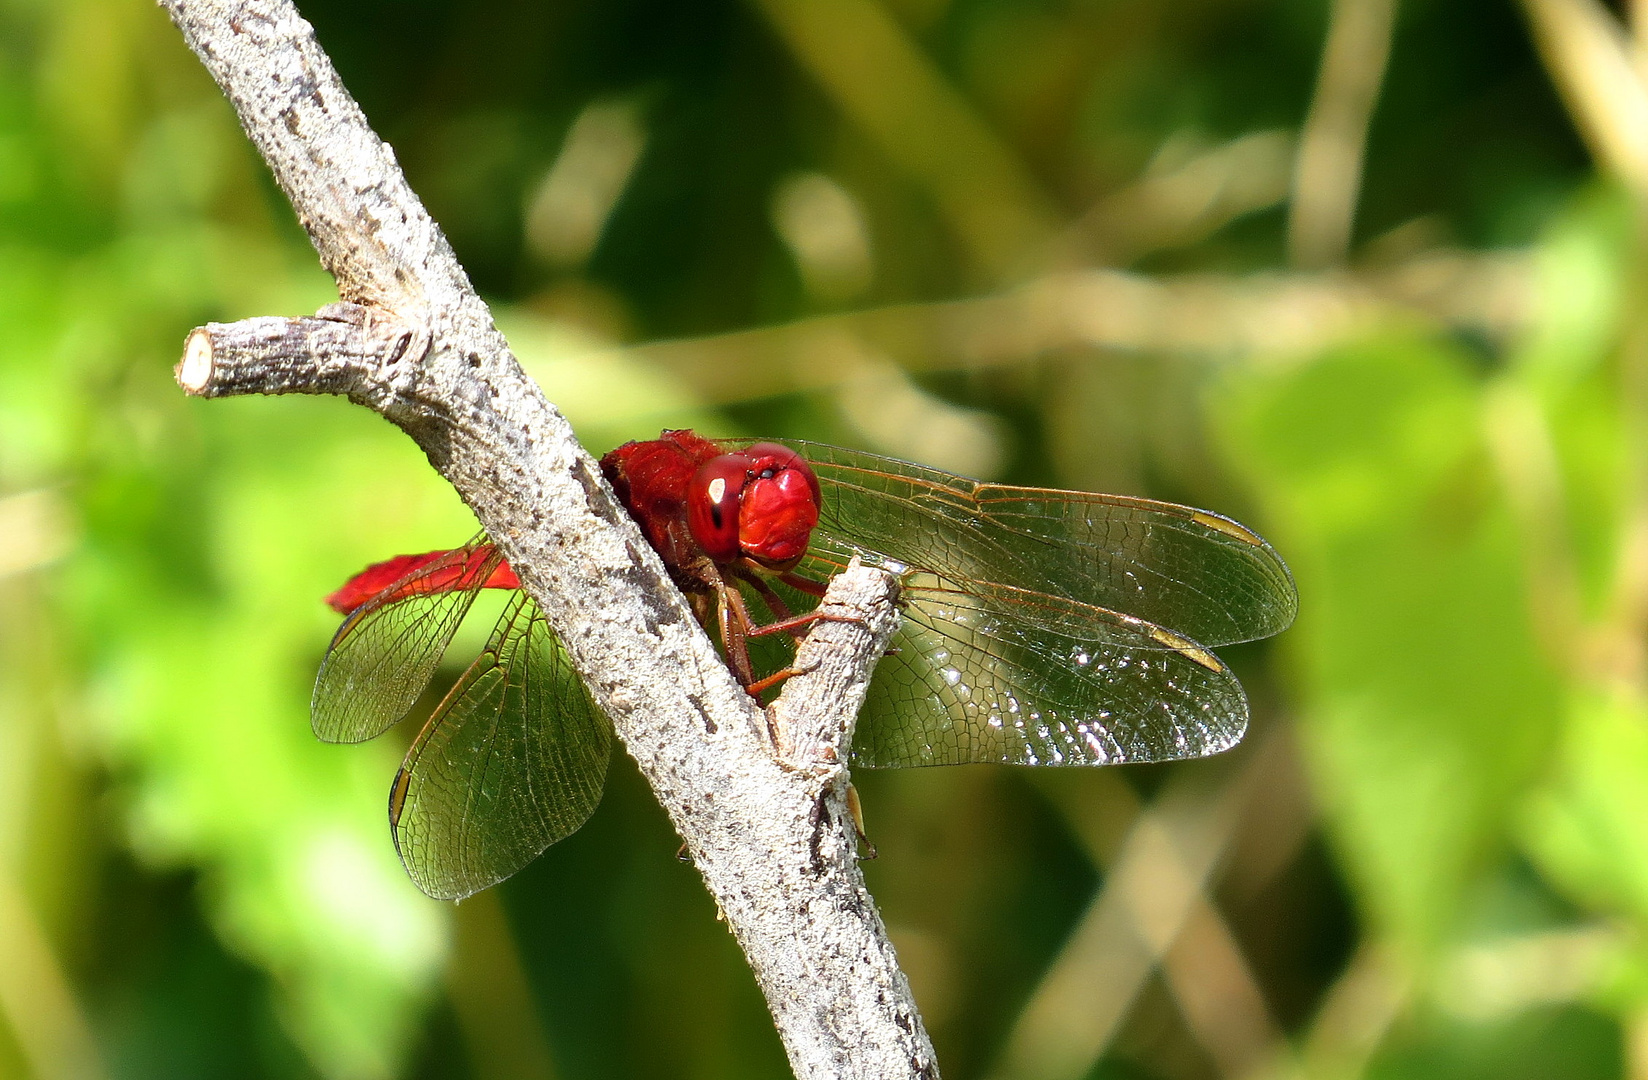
(1424, 703)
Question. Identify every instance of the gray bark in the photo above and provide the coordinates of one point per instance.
(411, 340)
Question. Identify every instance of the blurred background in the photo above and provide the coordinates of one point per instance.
(1368, 275)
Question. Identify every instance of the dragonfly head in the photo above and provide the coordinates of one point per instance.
(760, 503)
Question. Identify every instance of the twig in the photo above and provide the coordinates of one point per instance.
(865, 60)
(415, 343)
(37, 1000)
(1154, 887)
(1180, 205)
(1355, 1015)
(1590, 60)
(813, 720)
(1206, 315)
(1327, 179)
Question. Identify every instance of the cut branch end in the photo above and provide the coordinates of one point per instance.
(194, 371)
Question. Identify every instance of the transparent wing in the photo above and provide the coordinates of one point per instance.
(512, 761)
(1200, 574)
(386, 651)
(1001, 675)
(981, 672)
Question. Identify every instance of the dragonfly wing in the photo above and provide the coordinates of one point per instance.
(1002, 675)
(1200, 574)
(386, 651)
(513, 760)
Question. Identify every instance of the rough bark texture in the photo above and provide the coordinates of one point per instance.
(413, 341)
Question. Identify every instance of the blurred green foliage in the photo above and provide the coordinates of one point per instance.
(1046, 240)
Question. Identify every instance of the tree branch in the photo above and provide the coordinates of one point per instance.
(772, 839)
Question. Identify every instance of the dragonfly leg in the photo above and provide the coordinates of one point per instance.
(795, 622)
(734, 620)
(806, 618)
(737, 627)
(774, 602)
(786, 622)
(803, 584)
(777, 677)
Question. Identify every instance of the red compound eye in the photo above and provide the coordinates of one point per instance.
(761, 503)
(778, 507)
(712, 504)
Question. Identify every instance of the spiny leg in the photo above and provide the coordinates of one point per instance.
(803, 584)
(734, 621)
(786, 621)
(737, 625)
(774, 602)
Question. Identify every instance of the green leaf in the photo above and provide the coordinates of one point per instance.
(1423, 702)
(1588, 830)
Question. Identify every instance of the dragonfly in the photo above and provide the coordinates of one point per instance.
(1038, 627)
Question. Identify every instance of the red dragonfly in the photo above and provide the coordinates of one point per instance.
(1040, 627)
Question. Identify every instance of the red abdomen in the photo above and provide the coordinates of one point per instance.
(458, 570)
